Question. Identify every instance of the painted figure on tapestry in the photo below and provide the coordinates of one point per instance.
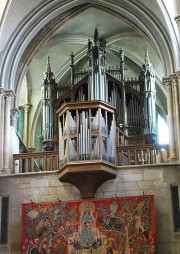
(87, 224)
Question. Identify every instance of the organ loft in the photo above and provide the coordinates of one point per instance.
(94, 111)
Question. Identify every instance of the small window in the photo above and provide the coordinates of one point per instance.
(4, 205)
(176, 206)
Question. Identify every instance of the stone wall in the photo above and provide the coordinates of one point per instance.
(130, 181)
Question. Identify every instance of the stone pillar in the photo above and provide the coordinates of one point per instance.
(176, 112)
(9, 94)
(172, 150)
(178, 91)
(27, 108)
(178, 84)
(1, 125)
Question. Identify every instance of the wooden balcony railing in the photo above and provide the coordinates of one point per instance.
(146, 154)
(36, 162)
(127, 155)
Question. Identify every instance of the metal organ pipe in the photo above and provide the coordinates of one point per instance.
(84, 136)
(111, 142)
(72, 140)
(65, 124)
(61, 145)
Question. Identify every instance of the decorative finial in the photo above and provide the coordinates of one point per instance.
(146, 59)
(48, 67)
(96, 36)
(121, 52)
(72, 58)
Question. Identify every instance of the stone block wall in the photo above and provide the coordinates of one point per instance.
(130, 181)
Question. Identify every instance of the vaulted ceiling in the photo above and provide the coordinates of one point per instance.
(73, 35)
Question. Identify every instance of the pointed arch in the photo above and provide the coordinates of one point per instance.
(49, 16)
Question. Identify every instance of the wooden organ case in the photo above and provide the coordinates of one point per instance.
(92, 108)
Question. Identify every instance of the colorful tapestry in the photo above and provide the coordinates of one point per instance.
(123, 225)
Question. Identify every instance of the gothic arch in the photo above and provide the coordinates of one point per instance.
(47, 17)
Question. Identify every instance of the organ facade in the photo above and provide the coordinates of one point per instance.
(95, 107)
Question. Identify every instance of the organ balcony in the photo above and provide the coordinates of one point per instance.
(87, 150)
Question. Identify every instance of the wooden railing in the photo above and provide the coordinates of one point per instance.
(140, 155)
(127, 155)
(36, 162)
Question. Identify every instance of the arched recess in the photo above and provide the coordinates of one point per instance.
(49, 16)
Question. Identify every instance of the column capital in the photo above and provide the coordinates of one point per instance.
(14, 112)
(173, 78)
(177, 19)
(9, 93)
(167, 82)
(27, 107)
(178, 74)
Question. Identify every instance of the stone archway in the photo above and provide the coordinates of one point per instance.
(45, 19)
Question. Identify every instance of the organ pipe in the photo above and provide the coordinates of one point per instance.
(91, 137)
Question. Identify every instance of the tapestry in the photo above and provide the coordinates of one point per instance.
(120, 225)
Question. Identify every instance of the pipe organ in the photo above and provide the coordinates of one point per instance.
(87, 133)
(91, 106)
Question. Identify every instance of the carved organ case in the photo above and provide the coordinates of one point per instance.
(87, 132)
(93, 107)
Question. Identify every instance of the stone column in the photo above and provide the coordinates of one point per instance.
(1, 125)
(172, 150)
(27, 108)
(178, 84)
(176, 112)
(9, 94)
